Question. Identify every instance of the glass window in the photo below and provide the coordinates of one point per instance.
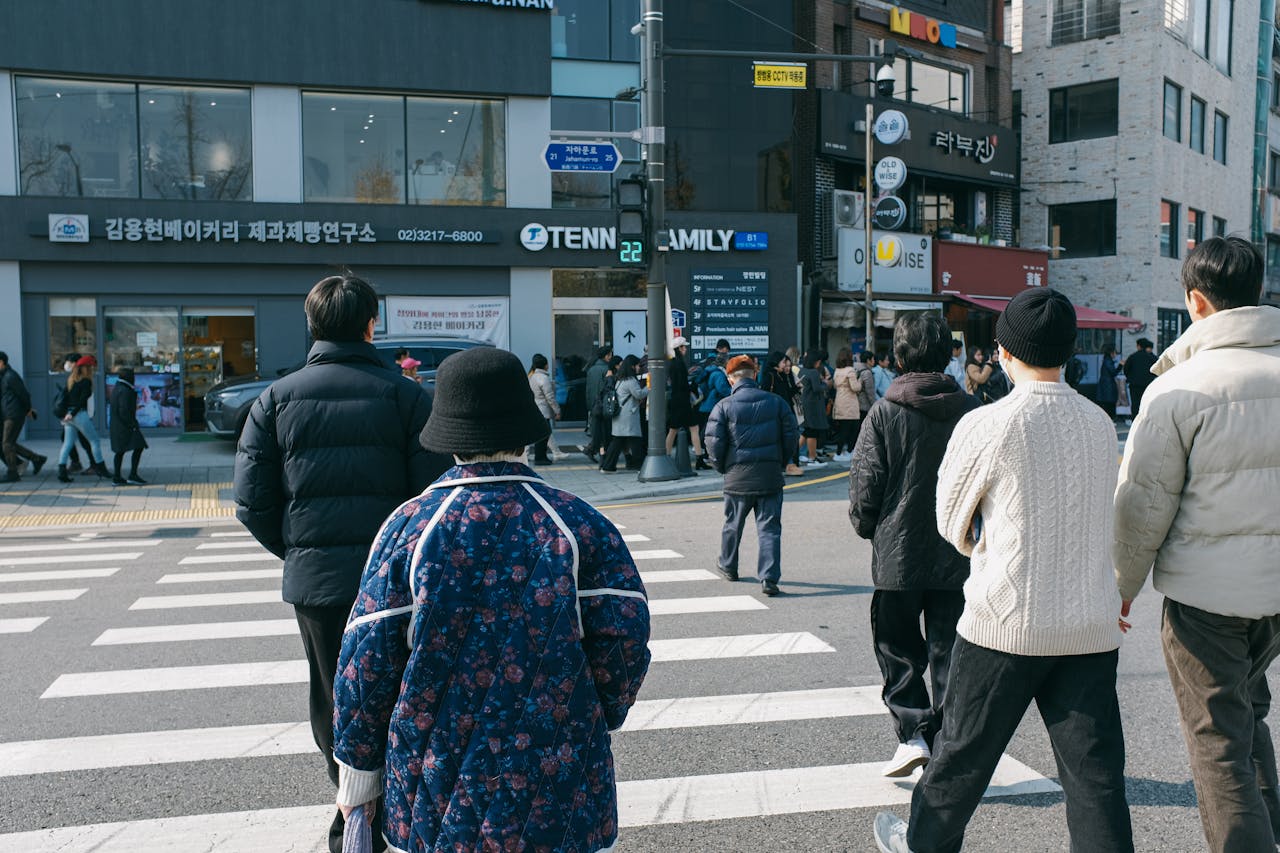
(145, 339)
(1195, 227)
(1220, 137)
(196, 143)
(1173, 111)
(623, 45)
(581, 189)
(1088, 111)
(1273, 170)
(353, 148)
(1168, 229)
(1078, 20)
(73, 327)
(938, 87)
(1273, 256)
(1219, 226)
(580, 29)
(1275, 91)
(1085, 229)
(1195, 132)
(1199, 25)
(77, 137)
(457, 151)
(934, 212)
(1222, 37)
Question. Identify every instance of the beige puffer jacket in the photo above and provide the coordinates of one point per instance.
(544, 394)
(848, 385)
(1201, 470)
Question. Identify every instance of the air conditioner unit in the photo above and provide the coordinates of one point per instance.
(846, 209)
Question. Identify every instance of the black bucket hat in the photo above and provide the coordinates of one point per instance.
(483, 404)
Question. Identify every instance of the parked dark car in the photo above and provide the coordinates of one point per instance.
(226, 405)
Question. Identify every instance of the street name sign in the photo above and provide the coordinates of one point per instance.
(582, 157)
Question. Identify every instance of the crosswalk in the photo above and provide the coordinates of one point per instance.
(191, 662)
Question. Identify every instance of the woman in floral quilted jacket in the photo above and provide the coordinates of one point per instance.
(500, 634)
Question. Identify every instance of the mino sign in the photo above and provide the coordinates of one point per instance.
(917, 26)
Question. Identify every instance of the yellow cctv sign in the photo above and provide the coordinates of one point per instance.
(780, 75)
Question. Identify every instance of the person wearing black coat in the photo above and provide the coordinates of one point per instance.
(15, 408)
(327, 454)
(749, 438)
(126, 434)
(892, 502)
(1137, 371)
(680, 414)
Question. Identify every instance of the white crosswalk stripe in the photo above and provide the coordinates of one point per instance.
(94, 545)
(63, 559)
(744, 792)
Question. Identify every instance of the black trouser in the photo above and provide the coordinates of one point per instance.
(846, 434)
(903, 653)
(1218, 668)
(88, 449)
(133, 463)
(322, 629)
(10, 447)
(634, 447)
(988, 695)
(540, 449)
(601, 430)
(1135, 398)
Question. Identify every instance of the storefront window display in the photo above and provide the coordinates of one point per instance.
(196, 143)
(77, 137)
(456, 151)
(73, 327)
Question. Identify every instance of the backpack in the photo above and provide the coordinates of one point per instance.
(60, 402)
(1075, 372)
(609, 405)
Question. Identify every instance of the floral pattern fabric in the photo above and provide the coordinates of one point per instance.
(501, 631)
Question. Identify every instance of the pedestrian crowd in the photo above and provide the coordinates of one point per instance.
(474, 635)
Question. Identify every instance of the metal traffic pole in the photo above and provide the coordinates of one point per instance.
(866, 224)
(657, 465)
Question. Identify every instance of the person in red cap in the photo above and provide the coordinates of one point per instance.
(76, 420)
(750, 438)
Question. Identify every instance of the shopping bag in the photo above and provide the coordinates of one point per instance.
(357, 837)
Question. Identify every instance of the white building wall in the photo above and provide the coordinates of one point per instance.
(531, 321)
(277, 144)
(1139, 166)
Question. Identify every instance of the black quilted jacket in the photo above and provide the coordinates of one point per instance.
(327, 454)
(893, 483)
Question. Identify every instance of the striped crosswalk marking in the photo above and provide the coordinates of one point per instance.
(210, 546)
(677, 575)
(254, 673)
(197, 631)
(33, 596)
(635, 537)
(63, 559)
(646, 802)
(657, 554)
(56, 575)
(94, 545)
(206, 577)
(95, 752)
(231, 534)
(205, 559)
(707, 604)
(22, 625)
(209, 599)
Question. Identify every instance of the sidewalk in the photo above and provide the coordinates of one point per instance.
(190, 479)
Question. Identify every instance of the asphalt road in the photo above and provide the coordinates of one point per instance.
(731, 774)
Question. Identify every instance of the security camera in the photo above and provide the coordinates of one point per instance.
(886, 79)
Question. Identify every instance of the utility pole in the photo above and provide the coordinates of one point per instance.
(657, 465)
(870, 345)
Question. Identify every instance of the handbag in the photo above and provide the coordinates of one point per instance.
(60, 403)
(609, 403)
(357, 837)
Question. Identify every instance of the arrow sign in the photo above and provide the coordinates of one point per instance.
(582, 157)
(629, 336)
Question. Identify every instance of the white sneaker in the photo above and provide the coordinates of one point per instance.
(910, 755)
(814, 464)
(842, 457)
(891, 833)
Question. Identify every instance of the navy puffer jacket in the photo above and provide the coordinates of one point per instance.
(750, 438)
(326, 454)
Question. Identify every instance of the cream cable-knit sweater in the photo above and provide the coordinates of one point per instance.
(1039, 468)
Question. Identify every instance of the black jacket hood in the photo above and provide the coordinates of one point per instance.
(934, 395)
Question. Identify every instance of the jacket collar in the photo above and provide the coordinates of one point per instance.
(1237, 328)
(745, 382)
(338, 352)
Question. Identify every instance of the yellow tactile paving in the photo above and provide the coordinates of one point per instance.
(205, 503)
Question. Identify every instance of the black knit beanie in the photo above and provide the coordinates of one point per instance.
(483, 404)
(1038, 327)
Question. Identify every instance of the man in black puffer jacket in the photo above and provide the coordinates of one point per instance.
(326, 455)
(892, 501)
(751, 435)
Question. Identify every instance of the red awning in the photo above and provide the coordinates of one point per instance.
(1086, 318)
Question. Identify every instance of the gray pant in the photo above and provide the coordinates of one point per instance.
(1218, 667)
(768, 510)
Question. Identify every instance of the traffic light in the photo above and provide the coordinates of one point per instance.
(633, 222)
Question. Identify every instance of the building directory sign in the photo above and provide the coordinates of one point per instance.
(730, 304)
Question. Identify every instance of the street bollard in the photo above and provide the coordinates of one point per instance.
(683, 466)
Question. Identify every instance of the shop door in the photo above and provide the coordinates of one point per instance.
(145, 338)
(217, 344)
(577, 336)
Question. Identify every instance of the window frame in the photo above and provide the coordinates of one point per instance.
(1221, 134)
(1087, 211)
(1090, 16)
(1170, 215)
(1219, 226)
(1061, 128)
(1196, 128)
(1195, 228)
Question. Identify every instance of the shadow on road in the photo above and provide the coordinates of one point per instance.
(822, 589)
